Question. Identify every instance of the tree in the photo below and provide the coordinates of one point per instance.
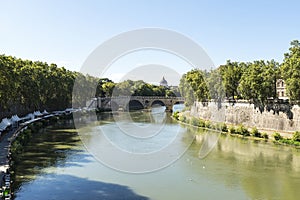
(231, 74)
(215, 85)
(290, 70)
(258, 81)
(105, 87)
(193, 85)
(26, 86)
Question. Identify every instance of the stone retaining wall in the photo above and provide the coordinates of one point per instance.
(248, 115)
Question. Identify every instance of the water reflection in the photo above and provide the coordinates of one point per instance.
(265, 171)
(50, 148)
(234, 169)
(136, 140)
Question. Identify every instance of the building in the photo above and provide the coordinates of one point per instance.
(163, 82)
(280, 89)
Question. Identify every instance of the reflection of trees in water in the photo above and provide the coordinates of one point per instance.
(50, 148)
(264, 171)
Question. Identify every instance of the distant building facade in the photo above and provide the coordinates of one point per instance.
(280, 89)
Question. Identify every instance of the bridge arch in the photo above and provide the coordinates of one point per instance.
(134, 105)
(158, 102)
(178, 102)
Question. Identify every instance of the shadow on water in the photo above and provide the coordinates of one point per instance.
(53, 147)
(60, 146)
(60, 187)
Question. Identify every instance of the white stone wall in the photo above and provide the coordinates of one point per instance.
(246, 114)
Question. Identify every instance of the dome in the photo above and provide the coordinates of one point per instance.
(163, 82)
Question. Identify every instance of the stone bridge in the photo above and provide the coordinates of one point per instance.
(135, 102)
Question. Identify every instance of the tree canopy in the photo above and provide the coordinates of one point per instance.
(194, 87)
(290, 70)
(26, 86)
(251, 81)
(258, 81)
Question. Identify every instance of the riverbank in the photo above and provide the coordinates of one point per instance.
(9, 149)
(239, 130)
(279, 118)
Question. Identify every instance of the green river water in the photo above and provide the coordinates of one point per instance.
(58, 165)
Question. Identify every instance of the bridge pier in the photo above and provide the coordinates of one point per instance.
(169, 108)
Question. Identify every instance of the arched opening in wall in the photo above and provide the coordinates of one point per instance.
(114, 106)
(157, 103)
(134, 105)
(178, 106)
(179, 102)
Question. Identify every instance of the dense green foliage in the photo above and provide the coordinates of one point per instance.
(231, 74)
(277, 136)
(242, 130)
(254, 81)
(26, 86)
(258, 81)
(295, 140)
(34, 85)
(194, 87)
(23, 138)
(290, 70)
(140, 88)
(215, 86)
(296, 136)
(256, 133)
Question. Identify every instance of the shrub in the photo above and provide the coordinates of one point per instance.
(296, 136)
(194, 121)
(265, 136)
(176, 115)
(255, 132)
(277, 136)
(182, 118)
(201, 123)
(213, 126)
(232, 130)
(286, 141)
(208, 124)
(296, 143)
(224, 127)
(242, 130)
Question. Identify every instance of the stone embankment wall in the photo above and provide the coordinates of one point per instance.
(246, 114)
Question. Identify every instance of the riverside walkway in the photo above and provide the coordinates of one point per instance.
(4, 148)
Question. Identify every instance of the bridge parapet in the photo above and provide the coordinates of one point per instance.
(124, 102)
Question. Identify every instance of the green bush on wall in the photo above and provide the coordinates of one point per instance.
(201, 123)
(265, 136)
(256, 133)
(194, 121)
(277, 136)
(224, 127)
(296, 136)
(176, 115)
(242, 130)
(182, 118)
(232, 130)
(208, 124)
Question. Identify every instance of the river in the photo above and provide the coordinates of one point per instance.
(58, 165)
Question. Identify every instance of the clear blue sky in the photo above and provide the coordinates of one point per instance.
(66, 32)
